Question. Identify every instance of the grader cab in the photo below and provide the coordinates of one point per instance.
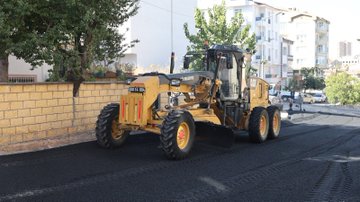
(219, 99)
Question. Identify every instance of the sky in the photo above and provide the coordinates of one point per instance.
(344, 17)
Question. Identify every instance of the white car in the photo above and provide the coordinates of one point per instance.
(319, 97)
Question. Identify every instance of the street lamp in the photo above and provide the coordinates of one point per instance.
(262, 71)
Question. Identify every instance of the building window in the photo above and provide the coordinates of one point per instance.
(237, 10)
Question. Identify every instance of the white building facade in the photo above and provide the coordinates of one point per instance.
(158, 26)
(311, 39)
(287, 61)
(20, 71)
(265, 23)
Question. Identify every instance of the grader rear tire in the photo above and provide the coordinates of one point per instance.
(258, 125)
(177, 134)
(274, 122)
(108, 134)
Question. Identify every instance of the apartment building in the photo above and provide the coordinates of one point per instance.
(158, 26)
(344, 48)
(265, 23)
(310, 34)
(287, 60)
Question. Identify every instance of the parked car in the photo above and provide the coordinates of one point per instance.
(285, 95)
(307, 98)
(319, 97)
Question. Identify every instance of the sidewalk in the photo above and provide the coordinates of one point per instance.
(296, 115)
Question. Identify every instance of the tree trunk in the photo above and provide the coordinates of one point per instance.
(4, 68)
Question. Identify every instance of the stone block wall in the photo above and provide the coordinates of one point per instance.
(43, 115)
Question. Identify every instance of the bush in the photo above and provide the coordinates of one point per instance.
(343, 88)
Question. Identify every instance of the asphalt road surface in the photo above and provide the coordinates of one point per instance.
(315, 159)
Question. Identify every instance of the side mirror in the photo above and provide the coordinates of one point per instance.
(186, 62)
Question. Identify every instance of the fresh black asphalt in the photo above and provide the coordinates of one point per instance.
(317, 159)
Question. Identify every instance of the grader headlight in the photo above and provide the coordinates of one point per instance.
(175, 82)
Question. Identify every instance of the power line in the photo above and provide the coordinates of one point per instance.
(165, 9)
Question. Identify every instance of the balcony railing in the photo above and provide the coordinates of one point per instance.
(290, 57)
(22, 78)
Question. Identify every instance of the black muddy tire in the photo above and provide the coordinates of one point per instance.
(274, 122)
(258, 125)
(177, 134)
(107, 133)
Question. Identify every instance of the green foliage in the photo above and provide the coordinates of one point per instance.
(311, 79)
(68, 34)
(343, 88)
(311, 82)
(125, 70)
(98, 71)
(294, 85)
(12, 30)
(216, 30)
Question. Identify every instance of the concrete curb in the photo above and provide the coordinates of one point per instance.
(302, 117)
(44, 144)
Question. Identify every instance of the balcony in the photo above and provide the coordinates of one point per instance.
(22, 78)
(290, 57)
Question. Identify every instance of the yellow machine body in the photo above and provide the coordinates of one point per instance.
(136, 112)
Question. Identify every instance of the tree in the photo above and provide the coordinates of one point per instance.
(217, 30)
(294, 85)
(12, 30)
(342, 88)
(311, 81)
(72, 34)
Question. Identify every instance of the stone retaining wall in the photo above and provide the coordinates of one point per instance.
(41, 114)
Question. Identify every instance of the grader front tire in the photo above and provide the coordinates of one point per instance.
(177, 134)
(258, 125)
(108, 134)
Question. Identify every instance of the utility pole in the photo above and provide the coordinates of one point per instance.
(172, 59)
(281, 62)
(172, 27)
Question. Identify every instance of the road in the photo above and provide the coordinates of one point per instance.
(316, 159)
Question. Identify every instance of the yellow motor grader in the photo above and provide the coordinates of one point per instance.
(218, 100)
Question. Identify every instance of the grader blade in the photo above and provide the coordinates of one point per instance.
(215, 134)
